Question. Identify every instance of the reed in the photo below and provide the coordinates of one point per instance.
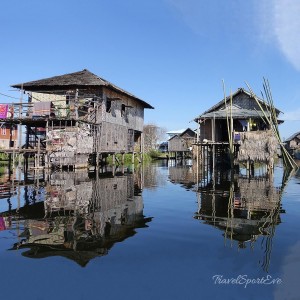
(229, 124)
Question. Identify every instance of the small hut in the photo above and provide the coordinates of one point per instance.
(182, 143)
(254, 139)
(8, 136)
(292, 145)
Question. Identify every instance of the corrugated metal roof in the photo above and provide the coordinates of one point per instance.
(176, 131)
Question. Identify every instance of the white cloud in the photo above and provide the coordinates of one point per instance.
(275, 22)
(287, 29)
(213, 18)
(279, 21)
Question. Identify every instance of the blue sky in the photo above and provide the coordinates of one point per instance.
(170, 53)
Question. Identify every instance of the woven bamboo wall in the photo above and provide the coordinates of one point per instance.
(133, 117)
(178, 144)
(113, 138)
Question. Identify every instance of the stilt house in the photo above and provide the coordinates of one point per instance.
(8, 136)
(182, 143)
(292, 144)
(77, 117)
(251, 133)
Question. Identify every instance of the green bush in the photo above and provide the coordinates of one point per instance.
(154, 154)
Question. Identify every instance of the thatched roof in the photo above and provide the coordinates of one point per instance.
(218, 110)
(78, 80)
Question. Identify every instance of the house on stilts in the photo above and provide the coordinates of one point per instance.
(292, 144)
(253, 139)
(78, 119)
(181, 143)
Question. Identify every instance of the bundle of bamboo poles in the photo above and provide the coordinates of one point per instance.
(270, 118)
(229, 125)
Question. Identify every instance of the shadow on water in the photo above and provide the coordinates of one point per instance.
(77, 215)
(245, 207)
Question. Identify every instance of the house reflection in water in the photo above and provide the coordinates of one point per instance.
(243, 208)
(183, 173)
(84, 216)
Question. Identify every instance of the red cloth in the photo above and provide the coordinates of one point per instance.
(3, 111)
(2, 224)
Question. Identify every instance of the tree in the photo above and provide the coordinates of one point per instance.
(153, 134)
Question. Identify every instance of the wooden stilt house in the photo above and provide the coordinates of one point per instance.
(181, 143)
(250, 132)
(292, 144)
(77, 117)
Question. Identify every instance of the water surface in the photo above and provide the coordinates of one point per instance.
(165, 231)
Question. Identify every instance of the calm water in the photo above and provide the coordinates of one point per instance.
(164, 232)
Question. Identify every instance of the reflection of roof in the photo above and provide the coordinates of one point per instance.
(240, 229)
(86, 249)
(81, 257)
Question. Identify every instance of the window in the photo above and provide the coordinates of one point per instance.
(108, 106)
(3, 131)
(68, 98)
(123, 110)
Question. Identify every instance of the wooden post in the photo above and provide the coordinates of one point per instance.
(248, 168)
(20, 141)
(39, 153)
(97, 161)
(76, 104)
(142, 146)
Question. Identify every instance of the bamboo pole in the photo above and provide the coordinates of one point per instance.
(273, 122)
(229, 124)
